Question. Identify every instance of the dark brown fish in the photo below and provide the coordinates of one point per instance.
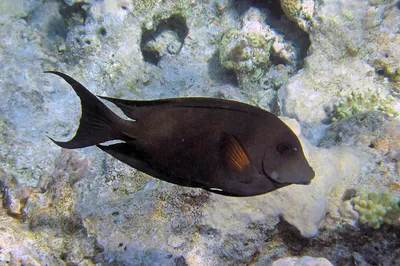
(222, 146)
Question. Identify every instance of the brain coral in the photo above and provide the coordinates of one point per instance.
(376, 209)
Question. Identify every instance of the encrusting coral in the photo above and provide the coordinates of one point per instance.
(376, 209)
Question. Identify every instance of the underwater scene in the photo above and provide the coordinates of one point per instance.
(212, 132)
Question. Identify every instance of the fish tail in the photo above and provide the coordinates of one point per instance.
(97, 124)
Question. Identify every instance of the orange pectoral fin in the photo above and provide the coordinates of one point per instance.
(233, 153)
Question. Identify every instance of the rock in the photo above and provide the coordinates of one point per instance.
(303, 261)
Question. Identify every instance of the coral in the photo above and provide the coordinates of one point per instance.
(376, 209)
(247, 51)
(299, 11)
(361, 103)
(260, 51)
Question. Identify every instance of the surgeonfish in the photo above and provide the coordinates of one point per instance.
(223, 146)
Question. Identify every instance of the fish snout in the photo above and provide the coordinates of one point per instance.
(307, 176)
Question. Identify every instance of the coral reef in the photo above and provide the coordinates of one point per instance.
(84, 207)
(376, 209)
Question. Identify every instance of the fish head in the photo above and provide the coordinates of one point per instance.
(284, 161)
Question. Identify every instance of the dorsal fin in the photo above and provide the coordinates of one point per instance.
(138, 109)
(233, 153)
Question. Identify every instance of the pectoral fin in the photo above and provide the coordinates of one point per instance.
(233, 154)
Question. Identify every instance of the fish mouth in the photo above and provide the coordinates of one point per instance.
(310, 174)
(301, 182)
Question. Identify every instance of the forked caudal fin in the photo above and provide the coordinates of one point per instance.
(97, 124)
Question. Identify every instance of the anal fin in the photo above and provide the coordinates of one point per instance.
(127, 154)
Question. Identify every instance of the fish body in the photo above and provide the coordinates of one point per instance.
(222, 146)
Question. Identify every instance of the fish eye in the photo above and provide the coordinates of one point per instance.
(285, 148)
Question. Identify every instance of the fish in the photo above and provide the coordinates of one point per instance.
(222, 146)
